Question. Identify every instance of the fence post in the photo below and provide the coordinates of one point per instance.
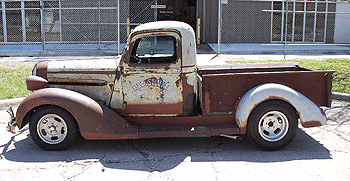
(286, 30)
(219, 27)
(42, 19)
(118, 26)
(99, 25)
(127, 27)
(4, 24)
(198, 31)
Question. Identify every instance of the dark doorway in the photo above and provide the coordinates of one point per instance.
(178, 10)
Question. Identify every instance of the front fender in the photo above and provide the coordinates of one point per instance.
(95, 120)
(309, 113)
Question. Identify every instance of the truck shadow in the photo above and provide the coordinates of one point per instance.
(164, 154)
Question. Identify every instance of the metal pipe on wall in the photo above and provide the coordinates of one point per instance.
(219, 27)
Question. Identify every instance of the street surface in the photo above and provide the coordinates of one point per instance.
(321, 153)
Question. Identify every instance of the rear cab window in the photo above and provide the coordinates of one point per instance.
(154, 50)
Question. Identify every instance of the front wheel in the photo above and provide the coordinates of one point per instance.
(53, 128)
(272, 125)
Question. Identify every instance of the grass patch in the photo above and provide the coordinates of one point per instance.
(12, 78)
(12, 75)
(341, 78)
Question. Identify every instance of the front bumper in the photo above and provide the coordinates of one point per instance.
(11, 125)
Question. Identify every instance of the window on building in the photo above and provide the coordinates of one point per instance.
(14, 25)
(154, 50)
(299, 21)
(23, 21)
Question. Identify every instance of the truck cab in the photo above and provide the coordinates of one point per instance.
(157, 72)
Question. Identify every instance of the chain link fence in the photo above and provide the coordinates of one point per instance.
(268, 24)
(71, 25)
(254, 26)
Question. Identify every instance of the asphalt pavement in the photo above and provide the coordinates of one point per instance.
(321, 153)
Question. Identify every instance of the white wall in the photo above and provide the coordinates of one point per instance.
(342, 23)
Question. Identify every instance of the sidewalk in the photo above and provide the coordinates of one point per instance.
(256, 48)
(248, 49)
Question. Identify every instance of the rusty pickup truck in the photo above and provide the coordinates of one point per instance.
(155, 89)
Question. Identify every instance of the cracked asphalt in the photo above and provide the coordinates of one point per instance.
(321, 153)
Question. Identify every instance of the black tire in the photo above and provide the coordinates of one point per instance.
(272, 125)
(53, 128)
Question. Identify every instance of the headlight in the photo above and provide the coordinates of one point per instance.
(34, 69)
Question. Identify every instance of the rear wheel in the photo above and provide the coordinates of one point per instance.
(272, 125)
(53, 128)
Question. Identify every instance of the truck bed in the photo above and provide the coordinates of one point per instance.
(230, 82)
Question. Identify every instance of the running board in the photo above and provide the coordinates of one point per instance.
(187, 131)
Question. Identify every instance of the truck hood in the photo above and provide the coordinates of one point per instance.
(93, 71)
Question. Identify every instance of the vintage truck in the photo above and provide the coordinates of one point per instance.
(155, 89)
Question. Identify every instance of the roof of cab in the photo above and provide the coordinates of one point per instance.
(187, 37)
(159, 25)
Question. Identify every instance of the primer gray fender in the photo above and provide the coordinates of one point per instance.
(95, 120)
(309, 113)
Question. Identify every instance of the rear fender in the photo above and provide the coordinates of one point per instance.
(309, 113)
(95, 120)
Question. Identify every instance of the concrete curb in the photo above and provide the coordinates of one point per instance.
(341, 96)
(4, 104)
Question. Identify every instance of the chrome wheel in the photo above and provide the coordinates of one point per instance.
(273, 126)
(52, 129)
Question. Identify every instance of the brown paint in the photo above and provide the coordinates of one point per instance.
(35, 83)
(189, 97)
(185, 131)
(223, 91)
(41, 69)
(93, 118)
(84, 72)
(176, 108)
(310, 124)
(181, 120)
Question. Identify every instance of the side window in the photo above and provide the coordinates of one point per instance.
(154, 50)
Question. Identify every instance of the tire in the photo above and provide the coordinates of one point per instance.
(272, 125)
(53, 128)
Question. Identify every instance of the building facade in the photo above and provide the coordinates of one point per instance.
(110, 21)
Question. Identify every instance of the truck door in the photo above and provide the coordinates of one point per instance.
(151, 81)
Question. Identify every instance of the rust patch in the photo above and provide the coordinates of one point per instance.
(206, 103)
(177, 83)
(183, 120)
(176, 108)
(310, 124)
(70, 81)
(189, 97)
(182, 131)
(83, 72)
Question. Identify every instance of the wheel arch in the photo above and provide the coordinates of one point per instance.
(309, 113)
(95, 121)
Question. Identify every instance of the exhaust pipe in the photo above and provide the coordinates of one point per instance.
(238, 138)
